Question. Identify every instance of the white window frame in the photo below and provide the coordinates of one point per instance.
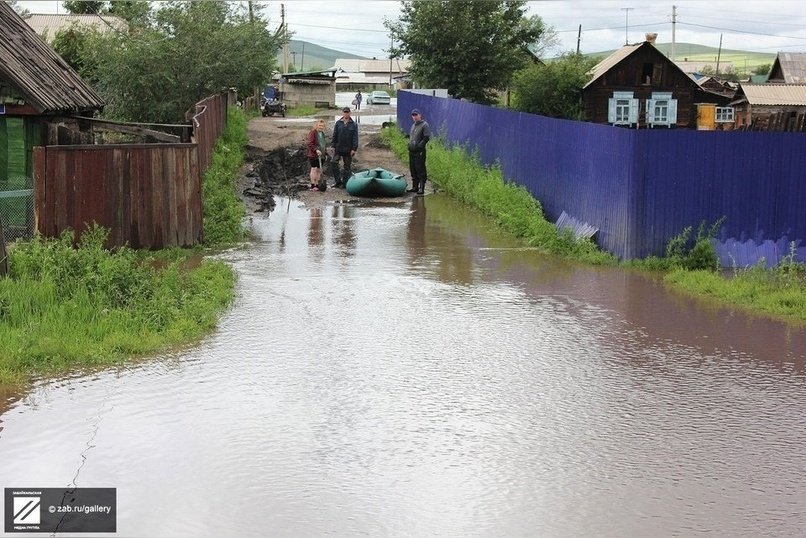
(622, 109)
(661, 110)
(725, 114)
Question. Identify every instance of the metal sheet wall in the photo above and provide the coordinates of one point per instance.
(640, 188)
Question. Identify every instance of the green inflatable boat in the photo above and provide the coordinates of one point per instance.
(376, 183)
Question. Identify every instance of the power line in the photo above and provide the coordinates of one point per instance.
(741, 31)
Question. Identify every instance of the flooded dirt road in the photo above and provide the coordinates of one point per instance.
(406, 370)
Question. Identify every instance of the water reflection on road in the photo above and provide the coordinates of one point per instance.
(405, 369)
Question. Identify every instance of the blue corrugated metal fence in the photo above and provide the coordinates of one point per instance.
(640, 188)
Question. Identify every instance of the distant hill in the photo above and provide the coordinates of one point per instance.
(312, 56)
(743, 60)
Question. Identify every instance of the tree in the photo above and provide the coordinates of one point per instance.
(470, 48)
(553, 89)
(763, 69)
(24, 13)
(728, 74)
(74, 45)
(187, 51)
(84, 7)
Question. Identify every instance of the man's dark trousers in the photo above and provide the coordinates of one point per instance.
(348, 163)
(417, 169)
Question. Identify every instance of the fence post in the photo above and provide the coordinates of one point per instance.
(3, 254)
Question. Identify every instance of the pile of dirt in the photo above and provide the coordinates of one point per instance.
(276, 164)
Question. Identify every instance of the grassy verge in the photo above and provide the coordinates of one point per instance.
(510, 205)
(690, 265)
(757, 290)
(63, 307)
(223, 211)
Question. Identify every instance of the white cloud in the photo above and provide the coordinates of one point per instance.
(357, 27)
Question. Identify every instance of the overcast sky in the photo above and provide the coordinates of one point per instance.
(760, 26)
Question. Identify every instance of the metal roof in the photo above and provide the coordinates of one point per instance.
(35, 70)
(793, 66)
(773, 94)
(47, 25)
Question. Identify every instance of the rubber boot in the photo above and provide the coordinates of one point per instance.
(421, 187)
(334, 167)
(413, 188)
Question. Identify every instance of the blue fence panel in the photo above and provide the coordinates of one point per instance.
(640, 188)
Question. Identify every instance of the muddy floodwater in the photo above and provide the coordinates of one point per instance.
(404, 369)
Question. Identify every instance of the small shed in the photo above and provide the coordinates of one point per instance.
(639, 87)
(771, 107)
(317, 88)
(39, 95)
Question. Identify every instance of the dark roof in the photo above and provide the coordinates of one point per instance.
(34, 69)
(790, 67)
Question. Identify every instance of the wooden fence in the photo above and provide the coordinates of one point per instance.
(148, 195)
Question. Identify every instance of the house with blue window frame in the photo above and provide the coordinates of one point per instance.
(639, 87)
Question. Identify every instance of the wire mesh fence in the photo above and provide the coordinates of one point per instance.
(17, 208)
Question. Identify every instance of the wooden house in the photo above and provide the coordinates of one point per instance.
(788, 68)
(639, 87)
(771, 107)
(40, 98)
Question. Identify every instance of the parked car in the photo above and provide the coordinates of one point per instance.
(379, 98)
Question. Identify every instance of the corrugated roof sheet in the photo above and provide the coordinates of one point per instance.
(35, 70)
(793, 65)
(48, 25)
(775, 94)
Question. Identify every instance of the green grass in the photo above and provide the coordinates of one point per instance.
(223, 211)
(62, 307)
(775, 292)
(509, 205)
(303, 110)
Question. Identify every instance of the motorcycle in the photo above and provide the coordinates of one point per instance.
(273, 106)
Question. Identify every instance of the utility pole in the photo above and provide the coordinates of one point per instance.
(391, 46)
(718, 54)
(285, 38)
(626, 11)
(579, 37)
(294, 60)
(674, 23)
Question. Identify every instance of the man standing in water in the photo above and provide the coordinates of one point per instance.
(345, 144)
(418, 137)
